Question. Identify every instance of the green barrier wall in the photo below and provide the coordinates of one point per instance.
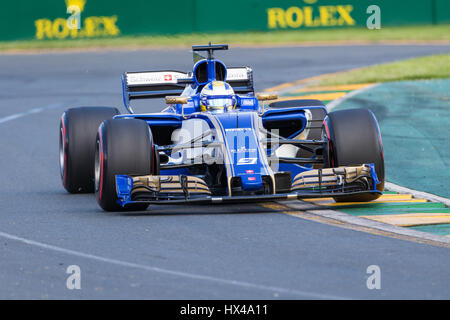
(47, 19)
(295, 14)
(442, 11)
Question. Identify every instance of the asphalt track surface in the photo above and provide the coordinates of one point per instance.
(178, 252)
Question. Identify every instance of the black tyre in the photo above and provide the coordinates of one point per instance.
(354, 138)
(77, 132)
(124, 146)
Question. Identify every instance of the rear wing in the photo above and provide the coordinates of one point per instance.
(241, 79)
(152, 84)
(159, 84)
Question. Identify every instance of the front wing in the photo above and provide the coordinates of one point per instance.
(176, 189)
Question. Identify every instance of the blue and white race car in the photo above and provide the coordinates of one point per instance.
(217, 141)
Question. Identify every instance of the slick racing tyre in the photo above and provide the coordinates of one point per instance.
(124, 146)
(354, 138)
(77, 131)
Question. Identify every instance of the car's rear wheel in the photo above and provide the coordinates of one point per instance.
(354, 138)
(77, 131)
(124, 146)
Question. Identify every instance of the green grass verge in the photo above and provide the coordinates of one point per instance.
(429, 67)
(409, 33)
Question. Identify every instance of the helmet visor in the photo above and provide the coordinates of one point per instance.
(219, 102)
(215, 103)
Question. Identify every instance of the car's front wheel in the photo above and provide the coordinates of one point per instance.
(354, 138)
(124, 146)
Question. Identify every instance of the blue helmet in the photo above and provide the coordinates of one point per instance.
(217, 96)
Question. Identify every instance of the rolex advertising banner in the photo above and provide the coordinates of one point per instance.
(78, 19)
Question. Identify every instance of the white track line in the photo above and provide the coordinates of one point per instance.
(29, 112)
(304, 294)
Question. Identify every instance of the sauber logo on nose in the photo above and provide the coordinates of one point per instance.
(74, 26)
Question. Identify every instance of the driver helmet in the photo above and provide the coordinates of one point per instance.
(217, 96)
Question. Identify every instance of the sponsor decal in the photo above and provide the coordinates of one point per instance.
(310, 16)
(74, 27)
(153, 77)
(247, 161)
(237, 74)
(247, 102)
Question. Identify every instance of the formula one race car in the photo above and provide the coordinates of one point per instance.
(217, 141)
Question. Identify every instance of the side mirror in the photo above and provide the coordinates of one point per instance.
(266, 96)
(176, 100)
